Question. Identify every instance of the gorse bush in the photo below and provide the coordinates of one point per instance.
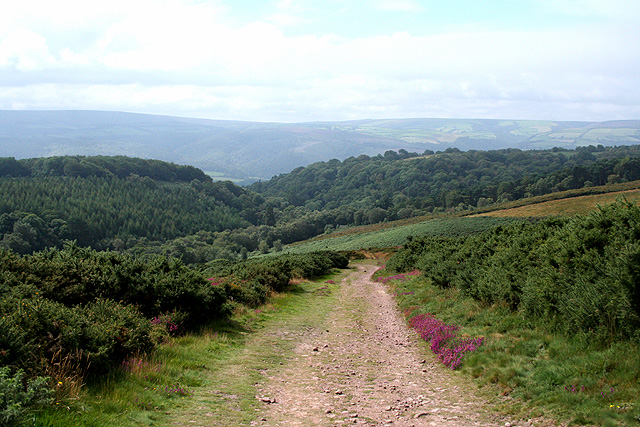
(94, 309)
(579, 274)
(249, 282)
(18, 395)
(78, 276)
(36, 330)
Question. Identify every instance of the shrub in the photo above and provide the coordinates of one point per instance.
(574, 275)
(35, 331)
(18, 395)
(78, 276)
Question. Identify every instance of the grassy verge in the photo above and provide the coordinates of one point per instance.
(535, 371)
(205, 378)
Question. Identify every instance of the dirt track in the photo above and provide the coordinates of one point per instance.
(368, 368)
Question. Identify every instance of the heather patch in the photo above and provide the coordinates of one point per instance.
(444, 339)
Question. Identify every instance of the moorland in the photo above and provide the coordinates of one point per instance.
(130, 285)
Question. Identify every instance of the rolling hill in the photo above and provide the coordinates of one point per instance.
(250, 151)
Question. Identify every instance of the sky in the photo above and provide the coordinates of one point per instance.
(325, 60)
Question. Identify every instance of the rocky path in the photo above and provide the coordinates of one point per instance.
(367, 368)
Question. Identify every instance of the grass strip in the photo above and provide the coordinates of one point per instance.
(534, 371)
(206, 378)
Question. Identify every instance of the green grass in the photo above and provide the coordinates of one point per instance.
(200, 379)
(388, 236)
(566, 377)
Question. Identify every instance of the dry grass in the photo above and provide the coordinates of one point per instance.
(565, 207)
(67, 375)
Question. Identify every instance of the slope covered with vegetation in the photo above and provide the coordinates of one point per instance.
(148, 206)
(557, 301)
(174, 239)
(104, 201)
(404, 184)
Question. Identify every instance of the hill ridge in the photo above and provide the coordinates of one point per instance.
(250, 151)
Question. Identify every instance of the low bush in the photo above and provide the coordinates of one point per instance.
(19, 394)
(577, 274)
(93, 309)
(274, 273)
(97, 335)
(78, 276)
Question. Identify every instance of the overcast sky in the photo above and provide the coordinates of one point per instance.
(308, 60)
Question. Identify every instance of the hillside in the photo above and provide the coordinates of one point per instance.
(250, 151)
(401, 185)
(150, 206)
(566, 206)
(113, 202)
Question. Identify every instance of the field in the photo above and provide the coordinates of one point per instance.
(569, 206)
(394, 236)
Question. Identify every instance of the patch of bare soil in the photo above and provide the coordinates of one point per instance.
(368, 368)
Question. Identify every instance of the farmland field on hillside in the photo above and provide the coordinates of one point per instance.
(569, 206)
(397, 236)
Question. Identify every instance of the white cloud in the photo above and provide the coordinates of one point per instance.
(617, 9)
(25, 50)
(188, 58)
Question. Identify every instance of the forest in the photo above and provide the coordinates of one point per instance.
(159, 208)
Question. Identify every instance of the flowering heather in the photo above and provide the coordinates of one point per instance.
(215, 280)
(403, 293)
(388, 279)
(400, 277)
(177, 390)
(165, 319)
(444, 340)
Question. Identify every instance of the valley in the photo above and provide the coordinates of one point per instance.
(246, 152)
(457, 288)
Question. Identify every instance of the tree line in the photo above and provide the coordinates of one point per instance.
(409, 184)
(153, 207)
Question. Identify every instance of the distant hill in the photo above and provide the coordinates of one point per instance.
(249, 151)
